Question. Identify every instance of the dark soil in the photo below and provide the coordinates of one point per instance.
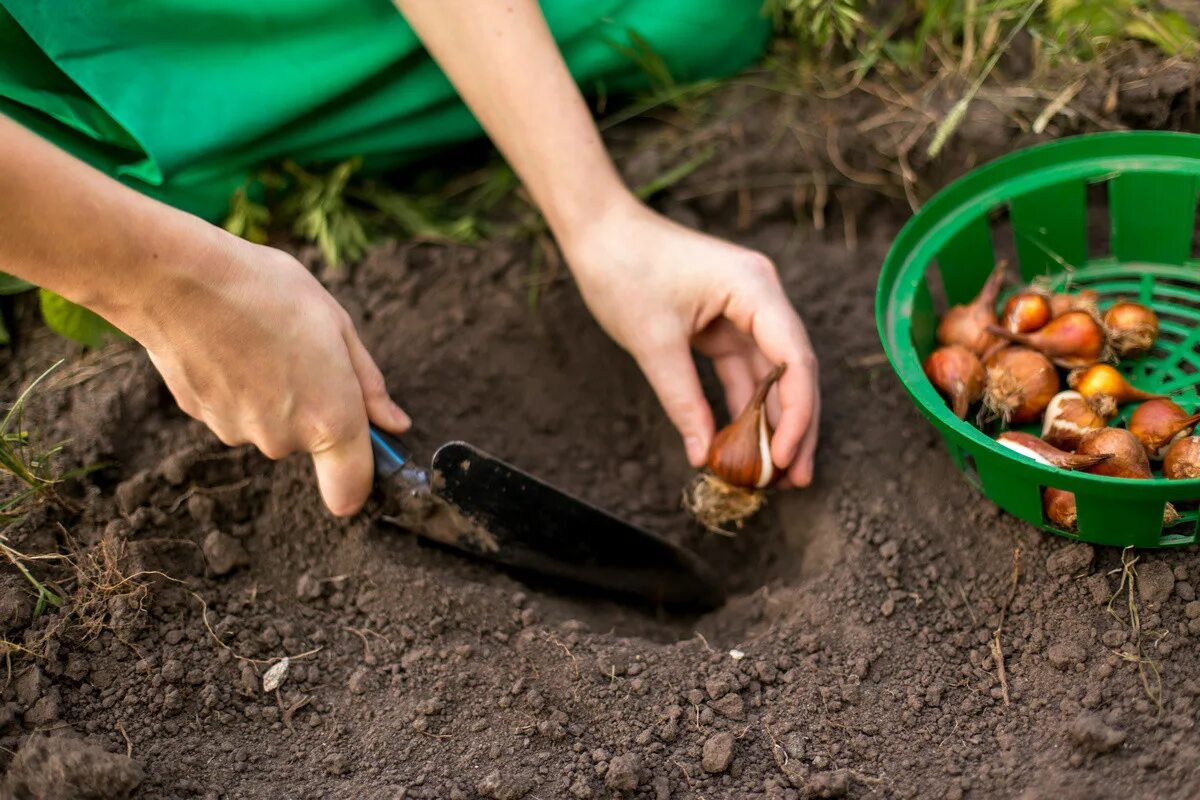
(855, 657)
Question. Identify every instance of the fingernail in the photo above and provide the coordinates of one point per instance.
(695, 450)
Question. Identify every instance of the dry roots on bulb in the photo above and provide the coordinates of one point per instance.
(956, 372)
(1106, 388)
(1068, 417)
(1158, 423)
(739, 464)
(1074, 339)
(1020, 383)
(1132, 328)
(967, 325)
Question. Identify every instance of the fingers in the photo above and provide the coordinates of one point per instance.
(381, 409)
(776, 329)
(345, 468)
(669, 367)
(782, 340)
(801, 471)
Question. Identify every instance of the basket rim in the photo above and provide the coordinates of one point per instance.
(1090, 157)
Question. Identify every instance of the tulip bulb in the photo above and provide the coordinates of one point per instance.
(1127, 458)
(1025, 312)
(1029, 445)
(1059, 507)
(956, 372)
(740, 453)
(967, 325)
(1074, 339)
(1020, 384)
(1182, 461)
(1068, 417)
(1106, 388)
(1086, 300)
(1158, 423)
(1132, 328)
(740, 467)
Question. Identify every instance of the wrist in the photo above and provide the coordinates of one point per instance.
(183, 261)
(603, 216)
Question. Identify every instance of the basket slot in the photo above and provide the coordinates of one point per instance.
(1119, 521)
(966, 260)
(1005, 482)
(1152, 217)
(1050, 229)
(1099, 229)
(924, 321)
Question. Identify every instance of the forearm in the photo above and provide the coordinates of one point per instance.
(504, 62)
(75, 231)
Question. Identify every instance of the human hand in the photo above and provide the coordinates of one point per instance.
(251, 344)
(660, 289)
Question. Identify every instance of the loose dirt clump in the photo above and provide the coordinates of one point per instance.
(880, 640)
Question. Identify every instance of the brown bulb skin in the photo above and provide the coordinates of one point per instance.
(967, 325)
(1127, 457)
(1025, 312)
(1159, 422)
(1182, 461)
(1045, 453)
(956, 372)
(1074, 339)
(1068, 417)
(1084, 300)
(740, 452)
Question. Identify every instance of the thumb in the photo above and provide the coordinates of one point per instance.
(381, 409)
(344, 473)
(672, 374)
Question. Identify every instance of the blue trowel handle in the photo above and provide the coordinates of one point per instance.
(394, 463)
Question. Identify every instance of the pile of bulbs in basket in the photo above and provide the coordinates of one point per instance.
(1009, 365)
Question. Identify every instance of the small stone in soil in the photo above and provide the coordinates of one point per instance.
(307, 587)
(718, 752)
(134, 492)
(624, 773)
(1071, 559)
(1065, 655)
(223, 553)
(1091, 734)
(360, 680)
(504, 786)
(1155, 582)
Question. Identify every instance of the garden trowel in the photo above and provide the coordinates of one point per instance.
(476, 503)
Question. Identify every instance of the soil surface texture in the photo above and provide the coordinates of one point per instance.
(883, 638)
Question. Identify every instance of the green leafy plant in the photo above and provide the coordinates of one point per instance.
(319, 211)
(29, 468)
(247, 218)
(1089, 26)
(75, 322)
(817, 24)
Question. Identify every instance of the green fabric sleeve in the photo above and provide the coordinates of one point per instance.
(182, 99)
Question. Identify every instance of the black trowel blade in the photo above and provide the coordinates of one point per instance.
(539, 528)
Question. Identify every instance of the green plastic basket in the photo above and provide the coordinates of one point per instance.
(1036, 203)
